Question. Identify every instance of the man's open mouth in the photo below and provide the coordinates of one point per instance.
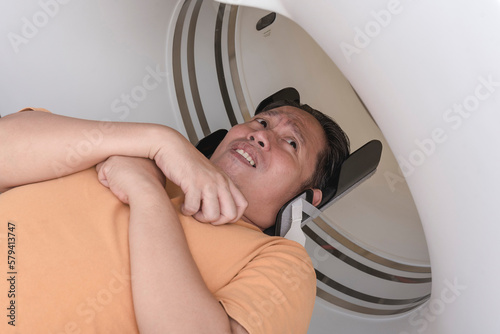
(246, 156)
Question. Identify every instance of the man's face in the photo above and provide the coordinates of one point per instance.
(269, 158)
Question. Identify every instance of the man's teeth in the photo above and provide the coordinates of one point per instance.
(246, 156)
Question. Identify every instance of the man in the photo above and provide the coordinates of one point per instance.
(266, 286)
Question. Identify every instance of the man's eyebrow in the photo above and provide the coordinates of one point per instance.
(296, 130)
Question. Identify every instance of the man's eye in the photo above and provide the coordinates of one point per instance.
(263, 122)
(293, 143)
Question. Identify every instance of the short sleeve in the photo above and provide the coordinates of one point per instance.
(274, 293)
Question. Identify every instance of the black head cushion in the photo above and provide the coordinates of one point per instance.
(286, 94)
(208, 144)
(354, 169)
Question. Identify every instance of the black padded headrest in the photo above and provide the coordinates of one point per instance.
(286, 94)
(359, 165)
(208, 144)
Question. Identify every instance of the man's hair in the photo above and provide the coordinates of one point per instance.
(335, 152)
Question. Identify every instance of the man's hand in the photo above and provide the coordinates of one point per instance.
(127, 177)
(210, 196)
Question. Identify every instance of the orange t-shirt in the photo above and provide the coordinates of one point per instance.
(69, 268)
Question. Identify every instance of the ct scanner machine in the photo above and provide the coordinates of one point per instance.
(421, 76)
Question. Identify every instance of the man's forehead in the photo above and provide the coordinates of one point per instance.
(296, 118)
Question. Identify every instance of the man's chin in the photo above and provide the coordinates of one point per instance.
(234, 171)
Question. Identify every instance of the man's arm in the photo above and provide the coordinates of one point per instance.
(37, 146)
(169, 293)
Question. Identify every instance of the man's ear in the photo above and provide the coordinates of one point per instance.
(317, 196)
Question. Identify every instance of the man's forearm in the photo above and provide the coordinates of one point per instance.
(169, 293)
(37, 146)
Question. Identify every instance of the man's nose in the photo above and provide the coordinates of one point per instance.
(261, 138)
